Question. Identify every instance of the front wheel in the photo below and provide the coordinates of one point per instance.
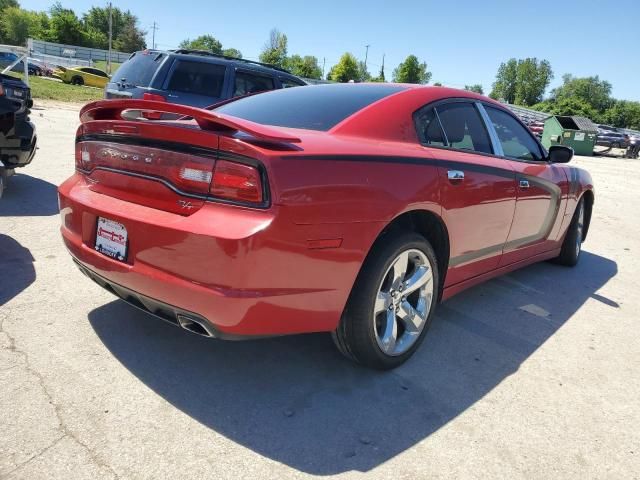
(392, 303)
(572, 245)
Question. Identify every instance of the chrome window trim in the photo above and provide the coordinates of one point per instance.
(493, 135)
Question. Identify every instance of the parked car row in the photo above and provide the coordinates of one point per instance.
(34, 67)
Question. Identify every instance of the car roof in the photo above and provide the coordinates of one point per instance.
(208, 57)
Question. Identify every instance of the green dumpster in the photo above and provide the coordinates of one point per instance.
(578, 133)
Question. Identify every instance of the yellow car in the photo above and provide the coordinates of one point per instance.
(89, 76)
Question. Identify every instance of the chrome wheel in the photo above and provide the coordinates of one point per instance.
(579, 227)
(403, 302)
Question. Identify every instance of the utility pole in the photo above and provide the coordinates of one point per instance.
(110, 38)
(382, 69)
(153, 42)
(366, 55)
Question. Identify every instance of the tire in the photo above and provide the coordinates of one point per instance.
(615, 145)
(378, 328)
(572, 245)
(77, 81)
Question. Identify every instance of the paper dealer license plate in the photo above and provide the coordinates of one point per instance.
(111, 239)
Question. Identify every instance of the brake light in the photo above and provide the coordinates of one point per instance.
(156, 98)
(153, 96)
(237, 182)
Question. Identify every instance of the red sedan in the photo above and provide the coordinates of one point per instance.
(352, 209)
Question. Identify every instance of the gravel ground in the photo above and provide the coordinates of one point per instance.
(531, 375)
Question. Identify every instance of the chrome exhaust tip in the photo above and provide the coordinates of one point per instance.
(194, 325)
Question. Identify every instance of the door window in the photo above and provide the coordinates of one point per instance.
(200, 78)
(247, 83)
(517, 143)
(455, 125)
(288, 83)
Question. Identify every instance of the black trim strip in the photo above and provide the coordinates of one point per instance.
(149, 142)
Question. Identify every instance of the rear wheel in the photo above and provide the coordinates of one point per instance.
(392, 303)
(77, 81)
(572, 245)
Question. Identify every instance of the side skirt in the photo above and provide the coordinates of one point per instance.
(459, 287)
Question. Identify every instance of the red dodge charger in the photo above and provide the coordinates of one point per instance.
(352, 209)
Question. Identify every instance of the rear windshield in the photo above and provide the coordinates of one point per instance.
(139, 69)
(318, 107)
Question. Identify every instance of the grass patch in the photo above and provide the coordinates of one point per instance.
(45, 89)
(102, 65)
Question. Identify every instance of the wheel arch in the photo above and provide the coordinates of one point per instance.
(428, 224)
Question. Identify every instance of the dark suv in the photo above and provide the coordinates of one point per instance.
(611, 137)
(195, 78)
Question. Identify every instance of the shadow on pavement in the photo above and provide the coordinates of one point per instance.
(16, 268)
(296, 401)
(28, 196)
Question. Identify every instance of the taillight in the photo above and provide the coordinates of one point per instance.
(156, 98)
(237, 182)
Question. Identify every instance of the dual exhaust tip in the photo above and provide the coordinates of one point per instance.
(195, 325)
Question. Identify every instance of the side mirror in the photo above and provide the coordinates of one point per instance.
(560, 154)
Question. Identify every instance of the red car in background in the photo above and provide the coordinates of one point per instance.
(346, 208)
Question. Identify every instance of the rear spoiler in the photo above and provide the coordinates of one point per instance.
(206, 119)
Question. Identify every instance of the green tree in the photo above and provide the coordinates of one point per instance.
(17, 25)
(477, 88)
(64, 26)
(207, 43)
(532, 79)
(504, 88)
(591, 90)
(437, 84)
(274, 51)
(363, 73)
(306, 66)
(568, 106)
(345, 70)
(623, 114)
(232, 52)
(412, 71)
(127, 36)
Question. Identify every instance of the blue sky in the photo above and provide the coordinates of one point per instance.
(463, 42)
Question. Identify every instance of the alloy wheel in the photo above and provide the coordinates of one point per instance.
(403, 302)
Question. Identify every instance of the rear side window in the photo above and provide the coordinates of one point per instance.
(516, 141)
(139, 69)
(316, 107)
(454, 125)
(198, 78)
(247, 83)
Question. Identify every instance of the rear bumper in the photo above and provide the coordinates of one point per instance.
(245, 272)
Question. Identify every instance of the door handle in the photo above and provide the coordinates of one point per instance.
(524, 184)
(455, 176)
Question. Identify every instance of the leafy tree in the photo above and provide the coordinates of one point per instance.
(17, 25)
(477, 88)
(126, 34)
(591, 90)
(412, 71)
(437, 84)
(623, 114)
(504, 88)
(363, 73)
(8, 3)
(522, 82)
(207, 43)
(232, 52)
(306, 66)
(345, 70)
(274, 51)
(532, 79)
(64, 26)
(568, 106)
